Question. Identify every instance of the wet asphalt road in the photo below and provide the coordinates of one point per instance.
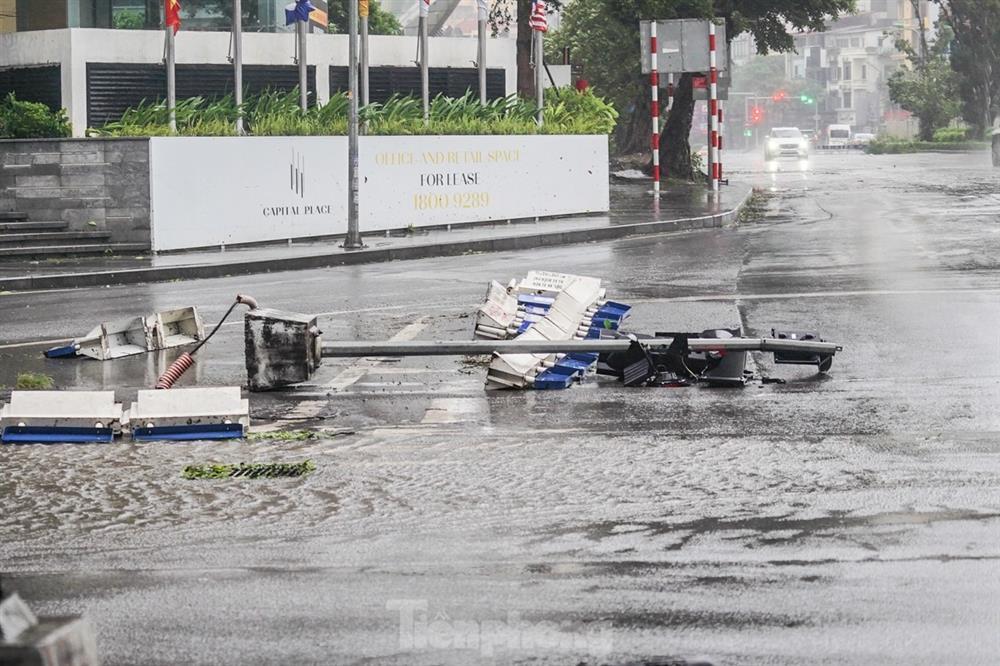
(852, 518)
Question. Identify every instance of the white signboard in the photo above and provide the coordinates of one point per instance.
(428, 180)
(223, 191)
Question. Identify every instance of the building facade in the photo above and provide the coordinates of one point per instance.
(853, 59)
(62, 53)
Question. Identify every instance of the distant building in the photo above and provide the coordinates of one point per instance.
(853, 59)
(97, 58)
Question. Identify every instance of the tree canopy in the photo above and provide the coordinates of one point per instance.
(975, 56)
(380, 22)
(604, 38)
(928, 87)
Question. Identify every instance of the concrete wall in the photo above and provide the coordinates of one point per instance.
(104, 181)
(74, 48)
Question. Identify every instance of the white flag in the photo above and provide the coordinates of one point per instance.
(484, 9)
(425, 6)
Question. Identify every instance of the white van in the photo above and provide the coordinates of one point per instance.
(838, 136)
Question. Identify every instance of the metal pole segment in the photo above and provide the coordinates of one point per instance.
(654, 85)
(481, 57)
(238, 62)
(539, 75)
(301, 29)
(364, 61)
(713, 111)
(718, 154)
(425, 83)
(172, 79)
(354, 349)
(353, 239)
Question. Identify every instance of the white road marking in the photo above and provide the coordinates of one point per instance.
(453, 410)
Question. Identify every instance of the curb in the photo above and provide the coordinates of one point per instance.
(327, 260)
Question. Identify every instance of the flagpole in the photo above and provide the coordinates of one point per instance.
(238, 62)
(353, 239)
(301, 30)
(425, 87)
(363, 12)
(171, 79)
(481, 57)
(539, 74)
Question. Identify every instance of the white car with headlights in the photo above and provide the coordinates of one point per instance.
(786, 142)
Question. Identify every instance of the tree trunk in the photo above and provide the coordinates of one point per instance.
(634, 129)
(675, 145)
(525, 74)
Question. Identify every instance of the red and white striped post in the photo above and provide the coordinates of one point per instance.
(654, 107)
(713, 109)
(718, 152)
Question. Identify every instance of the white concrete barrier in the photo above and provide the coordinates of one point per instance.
(209, 192)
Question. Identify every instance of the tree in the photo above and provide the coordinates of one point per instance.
(975, 57)
(928, 87)
(380, 22)
(507, 13)
(615, 71)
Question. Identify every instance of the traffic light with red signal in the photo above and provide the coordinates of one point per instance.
(756, 115)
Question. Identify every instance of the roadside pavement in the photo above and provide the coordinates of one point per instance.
(680, 207)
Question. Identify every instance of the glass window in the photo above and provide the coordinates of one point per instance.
(848, 101)
(847, 71)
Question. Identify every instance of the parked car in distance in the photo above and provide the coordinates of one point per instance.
(786, 142)
(838, 136)
(862, 139)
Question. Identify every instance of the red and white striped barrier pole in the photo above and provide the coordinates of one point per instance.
(713, 109)
(718, 152)
(654, 108)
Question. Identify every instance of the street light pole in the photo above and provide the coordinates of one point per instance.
(353, 239)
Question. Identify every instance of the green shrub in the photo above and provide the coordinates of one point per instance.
(31, 120)
(951, 135)
(278, 114)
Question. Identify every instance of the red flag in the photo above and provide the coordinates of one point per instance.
(537, 20)
(172, 14)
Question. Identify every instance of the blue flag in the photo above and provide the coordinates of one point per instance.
(298, 11)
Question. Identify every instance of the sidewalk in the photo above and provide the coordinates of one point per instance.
(633, 213)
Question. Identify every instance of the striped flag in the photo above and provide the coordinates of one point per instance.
(538, 21)
(425, 6)
(172, 14)
(484, 9)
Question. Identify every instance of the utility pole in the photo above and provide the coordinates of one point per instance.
(483, 14)
(363, 10)
(301, 30)
(238, 62)
(353, 239)
(171, 79)
(425, 82)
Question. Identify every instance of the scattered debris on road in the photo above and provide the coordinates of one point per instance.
(248, 470)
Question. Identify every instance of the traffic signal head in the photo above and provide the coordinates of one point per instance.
(806, 99)
(756, 115)
(779, 95)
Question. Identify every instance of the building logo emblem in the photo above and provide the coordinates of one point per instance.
(297, 174)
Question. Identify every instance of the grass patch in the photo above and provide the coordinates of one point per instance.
(34, 381)
(248, 470)
(755, 209)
